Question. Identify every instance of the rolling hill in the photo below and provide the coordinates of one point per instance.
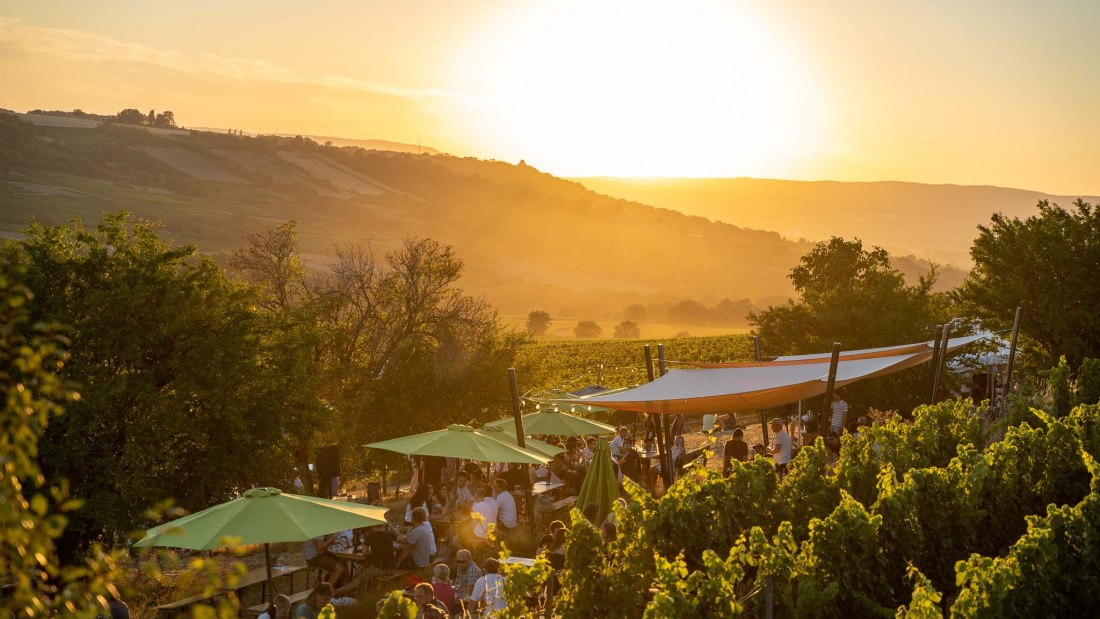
(529, 240)
(937, 222)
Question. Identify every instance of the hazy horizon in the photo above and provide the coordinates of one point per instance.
(986, 93)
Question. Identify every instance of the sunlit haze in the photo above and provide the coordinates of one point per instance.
(986, 92)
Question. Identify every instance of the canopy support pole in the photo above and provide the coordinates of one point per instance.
(834, 361)
(935, 363)
(655, 420)
(764, 413)
(666, 428)
(516, 412)
(941, 362)
(1011, 357)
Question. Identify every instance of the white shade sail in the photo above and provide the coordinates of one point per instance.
(748, 387)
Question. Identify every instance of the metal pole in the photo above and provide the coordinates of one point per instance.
(666, 427)
(270, 584)
(521, 441)
(764, 413)
(656, 419)
(935, 363)
(834, 361)
(941, 362)
(1011, 355)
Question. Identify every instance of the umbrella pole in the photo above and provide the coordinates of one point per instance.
(517, 413)
(270, 583)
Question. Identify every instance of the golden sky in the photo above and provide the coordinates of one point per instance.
(997, 92)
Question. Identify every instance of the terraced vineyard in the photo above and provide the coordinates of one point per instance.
(571, 365)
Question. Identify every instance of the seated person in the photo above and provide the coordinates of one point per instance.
(487, 508)
(467, 574)
(317, 555)
(416, 552)
(630, 463)
(489, 590)
(314, 602)
(419, 498)
(462, 492)
(430, 606)
(279, 608)
(507, 515)
(441, 583)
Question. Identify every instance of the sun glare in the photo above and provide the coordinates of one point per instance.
(610, 88)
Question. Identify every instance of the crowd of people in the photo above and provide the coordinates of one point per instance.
(468, 496)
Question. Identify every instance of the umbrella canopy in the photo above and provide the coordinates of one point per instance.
(544, 448)
(459, 441)
(557, 423)
(600, 484)
(263, 516)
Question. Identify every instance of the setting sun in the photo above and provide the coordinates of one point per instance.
(688, 90)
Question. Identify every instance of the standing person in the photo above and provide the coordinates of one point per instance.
(630, 463)
(588, 451)
(430, 606)
(781, 447)
(489, 590)
(839, 409)
(735, 449)
(467, 574)
(617, 442)
(418, 499)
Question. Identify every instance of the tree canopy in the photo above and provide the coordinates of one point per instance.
(179, 397)
(851, 295)
(1048, 264)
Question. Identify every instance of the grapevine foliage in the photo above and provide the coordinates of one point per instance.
(916, 519)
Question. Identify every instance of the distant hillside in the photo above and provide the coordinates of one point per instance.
(530, 240)
(937, 222)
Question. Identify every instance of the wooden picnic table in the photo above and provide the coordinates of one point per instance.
(540, 487)
(258, 576)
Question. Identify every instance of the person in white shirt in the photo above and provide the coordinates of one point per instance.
(617, 443)
(489, 590)
(462, 490)
(781, 447)
(487, 507)
(588, 451)
(839, 409)
(507, 516)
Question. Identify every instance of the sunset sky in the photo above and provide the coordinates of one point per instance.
(999, 92)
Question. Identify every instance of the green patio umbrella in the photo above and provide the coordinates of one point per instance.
(263, 516)
(551, 421)
(600, 486)
(459, 441)
(541, 447)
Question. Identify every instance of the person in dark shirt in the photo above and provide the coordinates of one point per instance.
(736, 449)
(631, 463)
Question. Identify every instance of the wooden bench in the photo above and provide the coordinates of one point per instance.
(559, 510)
(258, 609)
(180, 606)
